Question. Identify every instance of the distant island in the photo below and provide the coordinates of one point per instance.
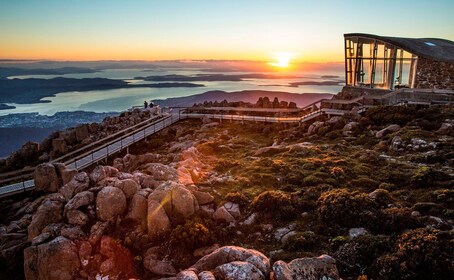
(245, 95)
(13, 71)
(212, 77)
(27, 91)
(6, 107)
(314, 83)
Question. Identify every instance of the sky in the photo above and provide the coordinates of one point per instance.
(308, 31)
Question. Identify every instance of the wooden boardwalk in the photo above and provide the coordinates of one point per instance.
(20, 181)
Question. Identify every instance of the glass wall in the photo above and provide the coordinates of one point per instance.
(375, 64)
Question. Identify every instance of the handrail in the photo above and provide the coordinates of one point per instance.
(116, 140)
(85, 147)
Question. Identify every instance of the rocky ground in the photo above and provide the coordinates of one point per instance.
(356, 197)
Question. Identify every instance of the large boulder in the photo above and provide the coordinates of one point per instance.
(48, 212)
(238, 271)
(110, 202)
(161, 172)
(138, 209)
(157, 220)
(178, 202)
(323, 267)
(313, 128)
(82, 132)
(81, 199)
(102, 172)
(46, 178)
(228, 254)
(128, 186)
(158, 267)
(59, 145)
(389, 129)
(80, 182)
(57, 259)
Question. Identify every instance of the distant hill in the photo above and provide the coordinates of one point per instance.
(247, 96)
(27, 91)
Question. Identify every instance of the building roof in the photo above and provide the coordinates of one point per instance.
(431, 48)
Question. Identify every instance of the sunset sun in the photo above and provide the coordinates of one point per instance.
(282, 59)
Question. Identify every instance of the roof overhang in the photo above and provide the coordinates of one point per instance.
(431, 48)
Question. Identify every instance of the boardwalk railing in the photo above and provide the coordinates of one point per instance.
(28, 172)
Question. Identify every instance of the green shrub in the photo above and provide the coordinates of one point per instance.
(302, 241)
(347, 208)
(356, 257)
(392, 220)
(191, 235)
(420, 254)
(275, 203)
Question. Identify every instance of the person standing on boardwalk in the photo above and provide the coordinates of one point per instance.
(145, 104)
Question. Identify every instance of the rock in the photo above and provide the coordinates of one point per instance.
(187, 275)
(66, 174)
(323, 267)
(119, 259)
(138, 208)
(80, 182)
(287, 236)
(158, 267)
(82, 132)
(57, 259)
(184, 203)
(85, 250)
(46, 178)
(44, 157)
(238, 270)
(59, 145)
(161, 172)
(157, 220)
(177, 200)
(229, 254)
(334, 120)
(97, 231)
(396, 144)
(129, 187)
(102, 172)
(281, 232)
(110, 203)
(351, 126)
(43, 237)
(49, 212)
(446, 128)
(270, 151)
(415, 214)
(76, 217)
(73, 233)
(206, 275)
(251, 219)
(203, 197)
(389, 129)
(79, 200)
(233, 209)
(200, 252)
(313, 128)
(355, 232)
(222, 214)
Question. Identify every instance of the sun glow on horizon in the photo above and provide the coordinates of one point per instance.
(282, 59)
